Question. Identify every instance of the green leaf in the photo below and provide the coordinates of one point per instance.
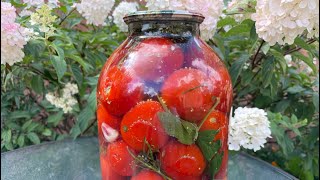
(84, 117)
(86, 67)
(56, 118)
(32, 126)
(26, 125)
(185, 132)
(315, 100)
(267, 71)
(239, 29)
(20, 140)
(47, 132)
(19, 114)
(37, 84)
(205, 142)
(75, 131)
(58, 49)
(282, 105)
(280, 60)
(253, 34)
(59, 65)
(283, 140)
(302, 43)
(9, 146)
(215, 164)
(33, 137)
(6, 136)
(77, 74)
(34, 49)
(307, 60)
(74, 21)
(237, 67)
(295, 89)
(294, 119)
(88, 112)
(226, 21)
(92, 100)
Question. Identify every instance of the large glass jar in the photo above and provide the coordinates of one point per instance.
(164, 99)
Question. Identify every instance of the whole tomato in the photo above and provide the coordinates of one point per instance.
(106, 172)
(147, 175)
(118, 90)
(155, 58)
(142, 123)
(200, 56)
(181, 161)
(120, 159)
(217, 121)
(189, 93)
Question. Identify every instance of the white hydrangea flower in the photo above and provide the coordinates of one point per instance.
(95, 11)
(33, 3)
(25, 12)
(66, 101)
(248, 128)
(121, 10)
(44, 20)
(211, 9)
(158, 4)
(53, 3)
(282, 21)
(38, 3)
(288, 59)
(13, 36)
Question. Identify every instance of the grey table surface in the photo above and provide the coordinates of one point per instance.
(79, 160)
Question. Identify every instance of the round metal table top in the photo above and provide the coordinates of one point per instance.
(79, 160)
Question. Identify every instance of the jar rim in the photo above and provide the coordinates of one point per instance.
(164, 15)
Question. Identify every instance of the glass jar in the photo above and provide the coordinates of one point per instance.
(164, 99)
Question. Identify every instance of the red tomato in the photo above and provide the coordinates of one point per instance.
(118, 91)
(155, 58)
(104, 117)
(141, 123)
(106, 172)
(215, 121)
(181, 161)
(119, 158)
(189, 93)
(147, 175)
(200, 56)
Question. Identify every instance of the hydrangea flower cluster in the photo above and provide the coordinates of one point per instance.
(121, 10)
(282, 21)
(38, 3)
(43, 18)
(95, 11)
(248, 128)
(13, 36)
(66, 101)
(211, 9)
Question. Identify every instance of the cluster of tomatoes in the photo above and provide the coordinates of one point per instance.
(128, 103)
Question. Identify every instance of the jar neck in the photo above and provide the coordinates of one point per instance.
(164, 28)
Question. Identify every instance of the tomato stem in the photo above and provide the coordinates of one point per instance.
(149, 166)
(210, 111)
